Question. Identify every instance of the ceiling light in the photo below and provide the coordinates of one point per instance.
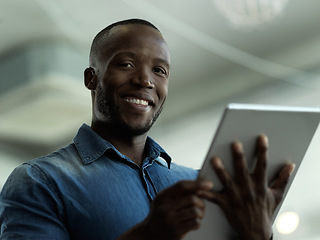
(250, 13)
(287, 223)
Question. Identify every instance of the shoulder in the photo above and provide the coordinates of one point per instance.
(29, 197)
(41, 170)
(58, 159)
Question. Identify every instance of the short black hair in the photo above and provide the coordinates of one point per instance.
(105, 31)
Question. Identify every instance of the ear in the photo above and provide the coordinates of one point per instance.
(90, 78)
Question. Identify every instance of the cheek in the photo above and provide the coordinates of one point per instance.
(109, 86)
(104, 95)
(162, 91)
(113, 77)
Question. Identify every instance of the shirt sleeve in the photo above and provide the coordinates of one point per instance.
(30, 207)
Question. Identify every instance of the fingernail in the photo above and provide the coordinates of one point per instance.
(264, 139)
(238, 146)
(216, 162)
(293, 166)
(284, 172)
(206, 184)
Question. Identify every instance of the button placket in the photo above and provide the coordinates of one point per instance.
(151, 191)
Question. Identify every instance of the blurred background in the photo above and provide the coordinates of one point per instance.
(223, 51)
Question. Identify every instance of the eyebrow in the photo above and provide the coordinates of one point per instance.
(119, 53)
(164, 62)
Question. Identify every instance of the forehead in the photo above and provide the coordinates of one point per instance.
(135, 37)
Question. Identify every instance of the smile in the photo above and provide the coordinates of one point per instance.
(137, 101)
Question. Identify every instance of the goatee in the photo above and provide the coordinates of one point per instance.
(112, 114)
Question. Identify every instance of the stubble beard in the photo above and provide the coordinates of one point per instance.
(112, 116)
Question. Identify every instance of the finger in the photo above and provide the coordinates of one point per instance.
(211, 196)
(190, 213)
(222, 173)
(259, 174)
(192, 224)
(183, 188)
(279, 186)
(283, 177)
(242, 174)
(218, 198)
(192, 218)
(184, 227)
(240, 166)
(190, 201)
(189, 217)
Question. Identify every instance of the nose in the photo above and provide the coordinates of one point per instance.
(148, 84)
(143, 78)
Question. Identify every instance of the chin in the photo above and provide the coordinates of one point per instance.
(136, 127)
(135, 131)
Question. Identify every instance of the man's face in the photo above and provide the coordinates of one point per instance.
(133, 74)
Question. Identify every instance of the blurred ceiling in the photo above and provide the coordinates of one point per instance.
(211, 58)
(44, 47)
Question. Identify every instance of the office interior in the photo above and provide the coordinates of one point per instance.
(222, 51)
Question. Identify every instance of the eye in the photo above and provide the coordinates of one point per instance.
(126, 65)
(160, 71)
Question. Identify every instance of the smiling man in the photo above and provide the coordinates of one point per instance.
(128, 77)
(115, 182)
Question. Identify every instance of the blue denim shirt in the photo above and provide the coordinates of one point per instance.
(87, 190)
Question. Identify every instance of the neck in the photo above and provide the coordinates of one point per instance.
(129, 145)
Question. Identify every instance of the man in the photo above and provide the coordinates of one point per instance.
(115, 182)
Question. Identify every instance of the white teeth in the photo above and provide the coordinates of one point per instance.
(137, 101)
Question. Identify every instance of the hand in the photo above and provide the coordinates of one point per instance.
(247, 201)
(176, 210)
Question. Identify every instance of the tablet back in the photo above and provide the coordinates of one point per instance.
(289, 130)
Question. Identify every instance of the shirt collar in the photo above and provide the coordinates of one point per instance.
(91, 146)
(155, 151)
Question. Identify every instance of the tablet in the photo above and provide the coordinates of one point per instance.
(289, 130)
